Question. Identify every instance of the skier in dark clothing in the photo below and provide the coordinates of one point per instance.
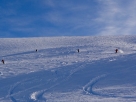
(2, 61)
(116, 51)
(78, 50)
(36, 50)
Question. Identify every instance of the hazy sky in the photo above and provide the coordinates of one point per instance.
(35, 18)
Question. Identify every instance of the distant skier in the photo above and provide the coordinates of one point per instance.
(116, 51)
(2, 61)
(36, 50)
(78, 50)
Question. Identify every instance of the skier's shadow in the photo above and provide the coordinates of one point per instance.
(22, 53)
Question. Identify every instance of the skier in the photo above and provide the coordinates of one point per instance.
(116, 51)
(36, 50)
(2, 61)
(78, 50)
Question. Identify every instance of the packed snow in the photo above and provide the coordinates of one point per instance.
(57, 72)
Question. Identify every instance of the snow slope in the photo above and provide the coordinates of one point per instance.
(58, 73)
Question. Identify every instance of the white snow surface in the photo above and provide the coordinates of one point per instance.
(58, 73)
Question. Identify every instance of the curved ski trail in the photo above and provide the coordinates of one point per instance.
(88, 88)
(38, 95)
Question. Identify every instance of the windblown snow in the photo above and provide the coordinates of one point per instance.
(57, 72)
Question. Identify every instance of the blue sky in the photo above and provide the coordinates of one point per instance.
(37, 18)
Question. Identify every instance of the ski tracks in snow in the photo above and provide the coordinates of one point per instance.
(11, 94)
(88, 88)
(38, 95)
(11, 91)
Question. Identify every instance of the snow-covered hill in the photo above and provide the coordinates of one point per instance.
(58, 73)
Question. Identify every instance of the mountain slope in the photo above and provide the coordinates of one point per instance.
(58, 73)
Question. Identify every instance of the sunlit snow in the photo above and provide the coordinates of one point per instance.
(58, 73)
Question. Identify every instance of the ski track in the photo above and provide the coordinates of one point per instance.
(38, 95)
(88, 88)
(11, 91)
(13, 87)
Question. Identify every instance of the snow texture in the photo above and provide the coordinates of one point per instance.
(56, 72)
